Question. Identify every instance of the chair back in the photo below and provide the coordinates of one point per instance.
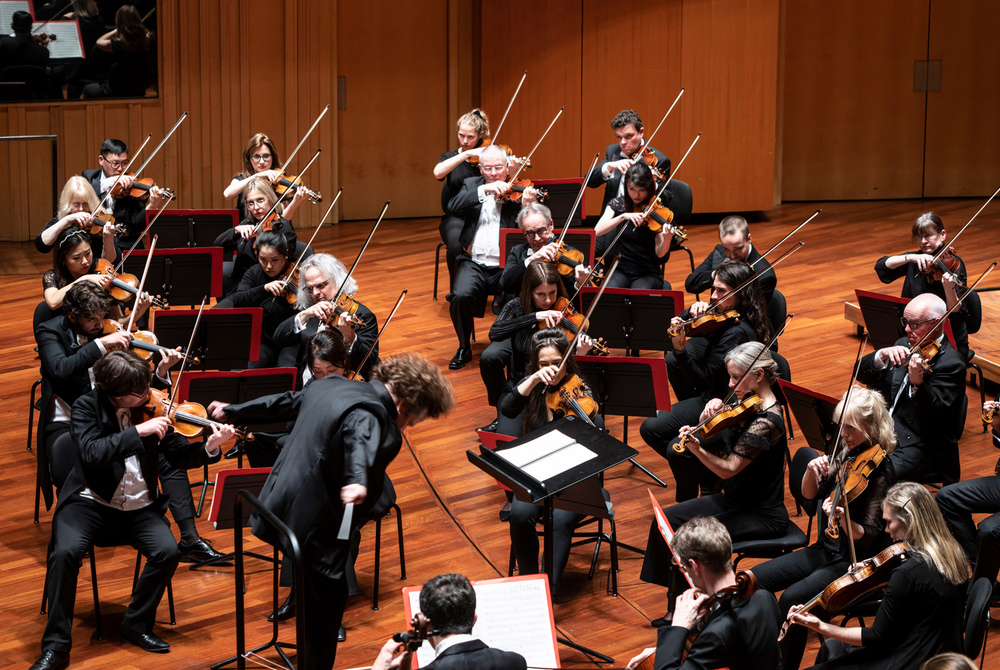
(977, 617)
(777, 312)
(800, 463)
(680, 200)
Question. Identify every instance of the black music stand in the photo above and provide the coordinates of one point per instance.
(178, 228)
(222, 514)
(814, 413)
(561, 489)
(627, 386)
(882, 315)
(632, 319)
(180, 276)
(561, 196)
(226, 338)
(581, 239)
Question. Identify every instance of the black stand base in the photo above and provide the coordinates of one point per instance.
(597, 656)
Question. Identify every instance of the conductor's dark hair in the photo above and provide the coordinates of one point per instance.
(449, 601)
(86, 299)
(20, 22)
(113, 146)
(624, 118)
(119, 373)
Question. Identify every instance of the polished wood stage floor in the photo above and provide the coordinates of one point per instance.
(449, 507)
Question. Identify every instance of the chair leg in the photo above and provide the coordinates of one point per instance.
(788, 424)
(378, 555)
(437, 267)
(613, 541)
(399, 534)
(31, 414)
(204, 484)
(170, 602)
(99, 634)
(38, 495)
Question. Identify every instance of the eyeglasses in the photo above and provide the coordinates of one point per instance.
(115, 164)
(491, 168)
(541, 232)
(318, 286)
(261, 157)
(914, 324)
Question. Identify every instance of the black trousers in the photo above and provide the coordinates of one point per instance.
(647, 282)
(493, 365)
(325, 600)
(451, 230)
(473, 284)
(76, 526)
(524, 538)
(697, 348)
(958, 502)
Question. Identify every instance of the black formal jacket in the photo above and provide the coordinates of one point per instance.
(701, 279)
(251, 293)
(21, 50)
(102, 448)
(245, 256)
(706, 375)
(128, 211)
(931, 417)
(285, 336)
(614, 153)
(319, 458)
(513, 270)
(475, 655)
(452, 182)
(466, 206)
(740, 635)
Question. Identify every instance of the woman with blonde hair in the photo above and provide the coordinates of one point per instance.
(922, 610)
(76, 203)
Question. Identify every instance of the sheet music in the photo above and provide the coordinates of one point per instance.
(7, 9)
(67, 43)
(548, 455)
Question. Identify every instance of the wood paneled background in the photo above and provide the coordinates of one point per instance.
(795, 100)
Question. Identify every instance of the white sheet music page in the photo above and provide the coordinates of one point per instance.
(67, 42)
(548, 455)
(7, 9)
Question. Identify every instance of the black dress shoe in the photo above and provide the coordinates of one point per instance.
(462, 356)
(145, 641)
(234, 452)
(51, 660)
(491, 427)
(286, 611)
(198, 551)
(342, 634)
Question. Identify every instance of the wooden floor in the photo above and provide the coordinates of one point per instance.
(449, 507)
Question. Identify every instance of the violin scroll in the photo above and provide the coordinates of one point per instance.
(420, 630)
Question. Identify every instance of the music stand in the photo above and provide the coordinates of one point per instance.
(177, 228)
(581, 239)
(226, 338)
(814, 413)
(181, 276)
(633, 319)
(882, 315)
(228, 484)
(560, 488)
(627, 386)
(561, 196)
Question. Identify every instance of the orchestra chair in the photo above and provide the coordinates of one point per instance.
(385, 506)
(784, 372)
(24, 82)
(777, 312)
(977, 620)
(679, 199)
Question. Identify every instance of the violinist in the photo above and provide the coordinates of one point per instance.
(128, 212)
(920, 275)
(524, 410)
(19, 48)
(260, 198)
(620, 156)
(698, 372)
(133, 57)
(320, 277)
(751, 464)
(260, 159)
(111, 493)
(926, 407)
(453, 168)
(740, 633)
(481, 205)
(262, 286)
(958, 502)
(734, 244)
(804, 573)
(535, 221)
(642, 251)
(76, 203)
(922, 611)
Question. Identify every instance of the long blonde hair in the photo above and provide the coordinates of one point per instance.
(926, 531)
(76, 185)
(868, 413)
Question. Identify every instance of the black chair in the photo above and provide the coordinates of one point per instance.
(679, 199)
(24, 82)
(437, 266)
(977, 619)
(300, 247)
(385, 506)
(777, 312)
(784, 372)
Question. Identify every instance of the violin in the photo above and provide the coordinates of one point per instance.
(573, 322)
(567, 260)
(44, 38)
(144, 342)
(139, 189)
(928, 352)
(188, 418)
(285, 182)
(570, 397)
(706, 324)
(290, 293)
(660, 217)
(524, 161)
(863, 578)
(989, 415)
(730, 416)
(853, 477)
(944, 263)
(517, 188)
(646, 155)
(345, 304)
(123, 285)
(105, 218)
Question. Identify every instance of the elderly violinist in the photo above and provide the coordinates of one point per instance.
(926, 406)
(620, 156)
(740, 634)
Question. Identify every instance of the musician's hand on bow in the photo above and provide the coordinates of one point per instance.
(550, 253)
(156, 426)
(496, 188)
(635, 218)
(712, 408)
(922, 261)
(353, 493)
(321, 310)
(642, 656)
(620, 166)
(686, 611)
(276, 287)
(244, 230)
(819, 467)
(584, 344)
(580, 274)
(547, 375)
(698, 309)
(391, 656)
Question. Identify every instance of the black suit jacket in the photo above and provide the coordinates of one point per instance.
(475, 655)
(701, 279)
(285, 336)
(614, 153)
(131, 212)
(21, 50)
(931, 418)
(466, 206)
(740, 635)
(513, 271)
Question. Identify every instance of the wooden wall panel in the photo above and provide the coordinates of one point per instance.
(963, 138)
(853, 127)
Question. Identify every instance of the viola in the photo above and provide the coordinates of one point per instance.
(573, 322)
(853, 476)
(188, 418)
(571, 398)
(346, 304)
(730, 416)
(863, 578)
(145, 342)
(568, 259)
(139, 189)
(706, 324)
(944, 263)
(285, 182)
(124, 286)
(517, 188)
(661, 217)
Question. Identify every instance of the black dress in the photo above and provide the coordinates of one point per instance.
(251, 293)
(637, 246)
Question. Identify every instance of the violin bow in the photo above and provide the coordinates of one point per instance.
(770, 268)
(649, 142)
(142, 283)
(170, 197)
(177, 382)
(958, 303)
(107, 195)
(291, 272)
(783, 239)
(586, 319)
(509, 105)
(579, 197)
(59, 13)
(944, 247)
(652, 201)
(302, 141)
(527, 161)
(340, 289)
(767, 347)
(284, 195)
(385, 324)
(160, 145)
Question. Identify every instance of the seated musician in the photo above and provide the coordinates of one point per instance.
(734, 244)
(260, 159)
(129, 212)
(925, 406)
(263, 286)
(741, 634)
(18, 47)
(110, 495)
(525, 410)
(535, 221)
(958, 502)
(751, 464)
(917, 270)
(260, 198)
(619, 157)
(76, 203)
(477, 268)
(697, 370)
(642, 251)
(132, 50)
(449, 603)
(321, 276)
(806, 572)
(922, 611)
(453, 168)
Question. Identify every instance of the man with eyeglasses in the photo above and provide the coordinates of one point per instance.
(927, 407)
(481, 205)
(734, 244)
(128, 211)
(618, 157)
